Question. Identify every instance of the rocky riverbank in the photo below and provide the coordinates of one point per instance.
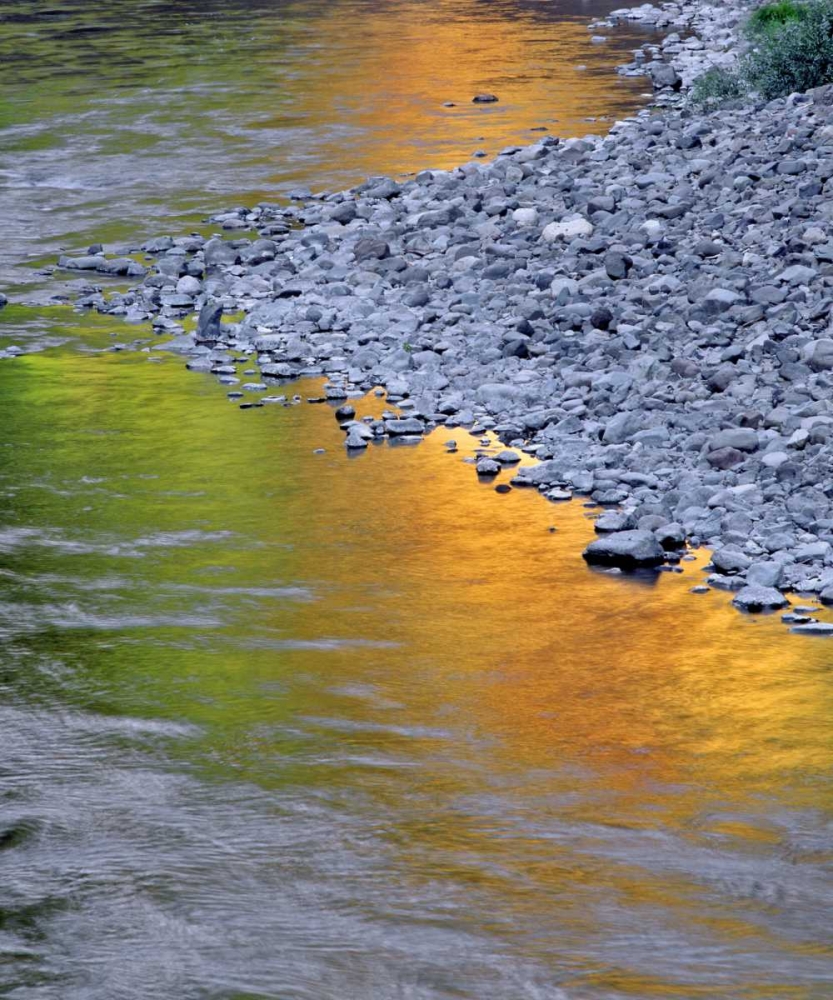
(648, 313)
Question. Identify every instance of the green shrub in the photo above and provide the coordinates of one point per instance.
(716, 86)
(773, 16)
(796, 55)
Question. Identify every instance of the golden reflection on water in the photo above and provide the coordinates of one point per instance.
(592, 767)
(545, 71)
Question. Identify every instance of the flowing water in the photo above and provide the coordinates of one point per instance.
(279, 724)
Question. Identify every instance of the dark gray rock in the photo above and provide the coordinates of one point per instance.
(725, 458)
(617, 265)
(209, 325)
(627, 549)
(664, 76)
(371, 248)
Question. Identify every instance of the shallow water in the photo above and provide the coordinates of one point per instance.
(279, 724)
(286, 725)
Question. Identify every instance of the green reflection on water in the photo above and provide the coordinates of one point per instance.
(121, 120)
(563, 748)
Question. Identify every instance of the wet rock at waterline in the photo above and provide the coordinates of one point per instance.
(628, 549)
(756, 598)
(209, 326)
(813, 628)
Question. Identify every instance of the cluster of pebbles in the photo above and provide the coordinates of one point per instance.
(647, 313)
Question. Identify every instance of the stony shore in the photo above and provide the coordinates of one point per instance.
(648, 313)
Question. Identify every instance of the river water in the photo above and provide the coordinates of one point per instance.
(279, 724)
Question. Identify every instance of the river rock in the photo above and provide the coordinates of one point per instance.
(730, 560)
(628, 549)
(756, 598)
(405, 426)
(819, 354)
(663, 75)
(371, 248)
(813, 628)
(568, 229)
(209, 326)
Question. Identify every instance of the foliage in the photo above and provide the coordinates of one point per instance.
(773, 16)
(716, 86)
(794, 56)
(791, 51)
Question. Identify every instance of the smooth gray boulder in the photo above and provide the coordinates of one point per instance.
(371, 248)
(628, 549)
(730, 561)
(765, 574)
(614, 520)
(664, 76)
(405, 425)
(89, 262)
(755, 598)
(739, 438)
(217, 253)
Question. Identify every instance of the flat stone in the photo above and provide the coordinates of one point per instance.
(402, 426)
(813, 628)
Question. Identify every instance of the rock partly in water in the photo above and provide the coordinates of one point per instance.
(209, 325)
(627, 549)
(755, 598)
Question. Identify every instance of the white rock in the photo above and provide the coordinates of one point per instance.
(567, 229)
(525, 216)
(653, 229)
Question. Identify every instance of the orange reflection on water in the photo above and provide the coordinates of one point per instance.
(389, 77)
(608, 781)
